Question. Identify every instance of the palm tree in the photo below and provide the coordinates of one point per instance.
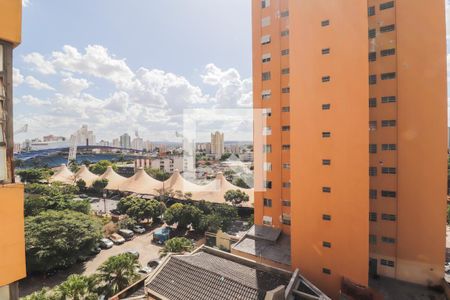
(118, 272)
(77, 287)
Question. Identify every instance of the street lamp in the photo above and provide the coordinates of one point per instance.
(104, 200)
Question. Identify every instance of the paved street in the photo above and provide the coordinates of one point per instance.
(141, 243)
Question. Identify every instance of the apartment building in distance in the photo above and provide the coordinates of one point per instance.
(12, 243)
(217, 144)
(351, 122)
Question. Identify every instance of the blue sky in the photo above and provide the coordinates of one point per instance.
(121, 66)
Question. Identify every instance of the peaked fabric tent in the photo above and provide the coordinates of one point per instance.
(63, 175)
(141, 183)
(114, 179)
(86, 175)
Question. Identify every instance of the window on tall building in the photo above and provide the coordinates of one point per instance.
(372, 33)
(267, 220)
(388, 76)
(388, 123)
(386, 5)
(388, 170)
(325, 23)
(325, 51)
(285, 32)
(284, 52)
(373, 194)
(326, 78)
(371, 11)
(326, 217)
(326, 271)
(267, 184)
(326, 162)
(286, 185)
(267, 112)
(326, 244)
(285, 71)
(373, 102)
(388, 147)
(372, 79)
(267, 148)
(388, 217)
(387, 240)
(372, 239)
(266, 76)
(285, 128)
(373, 148)
(388, 263)
(326, 106)
(286, 219)
(388, 99)
(373, 216)
(326, 134)
(387, 28)
(267, 130)
(267, 202)
(372, 56)
(326, 189)
(286, 203)
(265, 21)
(388, 194)
(285, 147)
(267, 166)
(266, 58)
(372, 125)
(265, 3)
(286, 166)
(372, 171)
(284, 14)
(387, 52)
(285, 109)
(286, 90)
(265, 39)
(266, 94)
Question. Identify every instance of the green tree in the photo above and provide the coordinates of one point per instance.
(73, 166)
(211, 223)
(183, 215)
(53, 189)
(100, 167)
(81, 184)
(176, 245)
(117, 273)
(99, 185)
(240, 183)
(43, 294)
(158, 174)
(77, 287)
(127, 223)
(228, 214)
(225, 156)
(34, 175)
(236, 197)
(59, 238)
(36, 204)
(140, 209)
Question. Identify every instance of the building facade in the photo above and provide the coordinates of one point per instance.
(12, 244)
(125, 141)
(217, 145)
(370, 174)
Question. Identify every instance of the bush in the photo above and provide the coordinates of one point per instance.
(176, 245)
(34, 175)
(100, 167)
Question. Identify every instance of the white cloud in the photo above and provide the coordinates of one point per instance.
(18, 78)
(39, 63)
(36, 84)
(73, 85)
(149, 100)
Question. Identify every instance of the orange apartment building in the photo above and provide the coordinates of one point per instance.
(350, 115)
(12, 242)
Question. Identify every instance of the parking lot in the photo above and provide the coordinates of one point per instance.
(141, 243)
(98, 204)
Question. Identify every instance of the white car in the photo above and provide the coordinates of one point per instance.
(145, 270)
(106, 243)
(138, 229)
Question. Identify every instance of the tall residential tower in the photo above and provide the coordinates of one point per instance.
(351, 118)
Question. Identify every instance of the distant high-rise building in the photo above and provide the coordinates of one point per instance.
(217, 145)
(350, 135)
(125, 141)
(85, 136)
(137, 143)
(116, 143)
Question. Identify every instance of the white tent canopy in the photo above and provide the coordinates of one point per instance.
(63, 175)
(114, 179)
(86, 175)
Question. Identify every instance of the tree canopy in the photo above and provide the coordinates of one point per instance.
(34, 175)
(140, 209)
(184, 215)
(57, 239)
(99, 185)
(158, 174)
(100, 167)
(236, 197)
(176, 245)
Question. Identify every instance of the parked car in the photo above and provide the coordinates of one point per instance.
(161, 235)
(106, 243)
(133, 252)
(116, 239)
(93, 200)
(153, 263)
(126, 234)
(83, 196)
(96, 250)
(138, 229)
